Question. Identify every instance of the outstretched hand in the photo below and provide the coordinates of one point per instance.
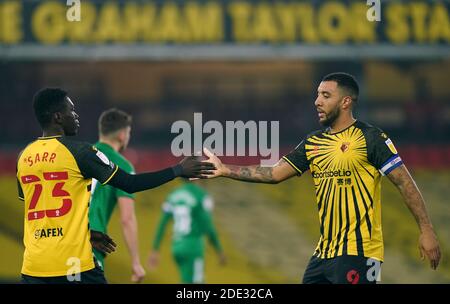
(429, 247)
(102, 242)
(194, 168)
(213, 159)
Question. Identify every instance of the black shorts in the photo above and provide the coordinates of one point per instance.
(346, 269)
(93, 276)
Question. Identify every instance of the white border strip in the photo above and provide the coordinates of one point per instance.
(217, 52)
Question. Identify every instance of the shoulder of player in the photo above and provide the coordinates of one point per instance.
(315, 133)
(196, 189)
(369, 130)
(25, 148)
(76, 147)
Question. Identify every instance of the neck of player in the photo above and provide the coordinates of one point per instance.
(53, 130)
(115, 144)
(344, 121)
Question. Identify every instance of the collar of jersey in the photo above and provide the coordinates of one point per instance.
(328, 129)
(49, 137)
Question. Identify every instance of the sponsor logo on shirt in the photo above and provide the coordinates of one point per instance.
(331, 173)
(48, 232)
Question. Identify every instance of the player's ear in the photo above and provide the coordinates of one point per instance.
(57, 117)
(347, 102)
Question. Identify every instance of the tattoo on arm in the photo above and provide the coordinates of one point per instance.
(411, 194)
(258, 174)
(255, 174)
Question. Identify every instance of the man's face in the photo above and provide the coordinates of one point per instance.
(69, 119)
(328, 102)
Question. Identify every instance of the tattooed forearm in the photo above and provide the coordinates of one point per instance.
(411, 194)
(255, 174)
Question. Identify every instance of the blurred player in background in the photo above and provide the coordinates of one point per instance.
(54, 175)
(347, 160)
(190, 207)
(114, 134)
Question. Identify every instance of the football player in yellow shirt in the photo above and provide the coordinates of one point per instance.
(54, 176)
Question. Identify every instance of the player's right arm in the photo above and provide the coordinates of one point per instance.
(188, 167)
(284, 169)
(94, 164)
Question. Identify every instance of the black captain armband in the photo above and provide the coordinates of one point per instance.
(144, 181)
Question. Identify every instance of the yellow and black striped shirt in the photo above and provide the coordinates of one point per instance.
(54, 179)
(346, 168)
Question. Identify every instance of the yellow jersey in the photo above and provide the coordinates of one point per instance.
(54, 180)
(346, 168)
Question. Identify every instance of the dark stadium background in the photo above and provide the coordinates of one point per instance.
(268, 232)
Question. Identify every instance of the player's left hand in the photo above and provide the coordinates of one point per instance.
(429, 247)
(102, 242)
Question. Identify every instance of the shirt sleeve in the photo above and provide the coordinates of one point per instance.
(381, 152)
(20, 191)
(297, 158)
(120, 193)
(94, 164)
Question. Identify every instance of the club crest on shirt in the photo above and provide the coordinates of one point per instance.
(344, 147)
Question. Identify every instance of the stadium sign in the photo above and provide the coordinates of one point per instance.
(157, 29)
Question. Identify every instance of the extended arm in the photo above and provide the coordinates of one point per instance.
(188, 167)
(428, 243)
(256, 174)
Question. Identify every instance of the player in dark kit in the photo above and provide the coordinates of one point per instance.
(54, 180)
(347, 160)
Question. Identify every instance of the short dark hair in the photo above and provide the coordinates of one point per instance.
(46, 102)
(113, 120)
(345, 81)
